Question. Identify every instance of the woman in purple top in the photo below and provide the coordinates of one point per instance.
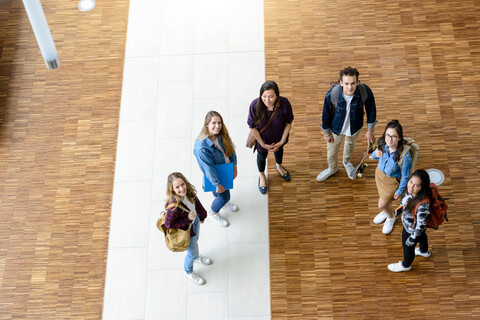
(276, 135)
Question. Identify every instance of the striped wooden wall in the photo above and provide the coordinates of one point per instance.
(422, 60)
(58, 131)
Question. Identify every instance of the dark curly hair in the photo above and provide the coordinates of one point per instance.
(348, 71)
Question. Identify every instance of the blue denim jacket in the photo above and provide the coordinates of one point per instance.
(335, 122)
(390, 167)
(208, 155)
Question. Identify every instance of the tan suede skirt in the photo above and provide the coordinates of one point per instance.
(386, 185)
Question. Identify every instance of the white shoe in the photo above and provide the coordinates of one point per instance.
(230, 207)
(203, 260)
(222, 222)
(423, 254)
(325, 174)
(379, 218)
(398, 267)
(195, 278)
(388, 225)
(349, 168)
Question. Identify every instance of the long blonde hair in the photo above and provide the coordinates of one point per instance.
(226, 140)
(191, 191)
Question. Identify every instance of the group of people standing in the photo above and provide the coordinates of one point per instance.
(270, 120)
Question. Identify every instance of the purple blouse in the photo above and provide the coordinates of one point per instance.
(274, 132)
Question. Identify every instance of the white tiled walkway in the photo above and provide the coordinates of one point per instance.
(184, 58)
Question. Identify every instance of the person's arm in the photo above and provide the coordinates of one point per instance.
(202, 213)
(205, 161)
(423, 211)
(371, 110)
(286, 109)
(405, 172)
(327, 118)
(286, 132)
(258, 137)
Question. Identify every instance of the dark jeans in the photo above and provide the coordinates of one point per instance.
(409, 252)
(262, 158)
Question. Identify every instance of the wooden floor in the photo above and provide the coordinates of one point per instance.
(57, 150)
(422, 61)
(58, 131)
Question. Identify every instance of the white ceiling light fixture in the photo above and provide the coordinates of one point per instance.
(86, 5)
(42, 32)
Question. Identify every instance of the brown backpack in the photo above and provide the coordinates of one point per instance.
(177, 239)
(409, 145)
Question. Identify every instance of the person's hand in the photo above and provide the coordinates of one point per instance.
(409, 242)
(192, 215)
(277, 145)
(220, 189)
(235, 172)
(328, 138)
(370, 136)
(378, 153)
(268, 147)
(395, 196)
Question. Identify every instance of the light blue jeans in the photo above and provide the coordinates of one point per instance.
(220, 200)
(192, 250)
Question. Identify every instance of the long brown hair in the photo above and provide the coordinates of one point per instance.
(261, 110)
(425, 192)
(226, 140)
(394, 124)
(191, 191)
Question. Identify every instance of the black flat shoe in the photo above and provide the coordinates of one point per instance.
(285, 176)
(263, 190)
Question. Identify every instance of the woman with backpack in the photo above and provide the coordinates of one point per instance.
(392, 172)
(213, 147)
(182, 210)
(416, 210)
(270, 118)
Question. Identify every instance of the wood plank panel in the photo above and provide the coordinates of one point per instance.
(421, 59)
(58, 131)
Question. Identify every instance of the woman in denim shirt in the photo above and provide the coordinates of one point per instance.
(391, 180)
(214, 146)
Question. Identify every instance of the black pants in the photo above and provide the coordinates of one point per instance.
(409, 252)
(262, 158)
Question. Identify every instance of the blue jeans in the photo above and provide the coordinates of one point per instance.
(192, 250)
(220, 200)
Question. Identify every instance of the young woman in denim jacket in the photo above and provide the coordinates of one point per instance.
(391, 180)
(416, 200)
(214, 146)
(182, 209)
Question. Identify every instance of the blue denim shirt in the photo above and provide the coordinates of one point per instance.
(390, 167)
(335, 122)
(208, 155)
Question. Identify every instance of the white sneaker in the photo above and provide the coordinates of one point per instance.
(379, 218)
(423, 254)
(325, 174)
(349, 168)
(388, 225)
(222, 222)
(398, 267)
(230, 207)
(203, 260)
(195, 278)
